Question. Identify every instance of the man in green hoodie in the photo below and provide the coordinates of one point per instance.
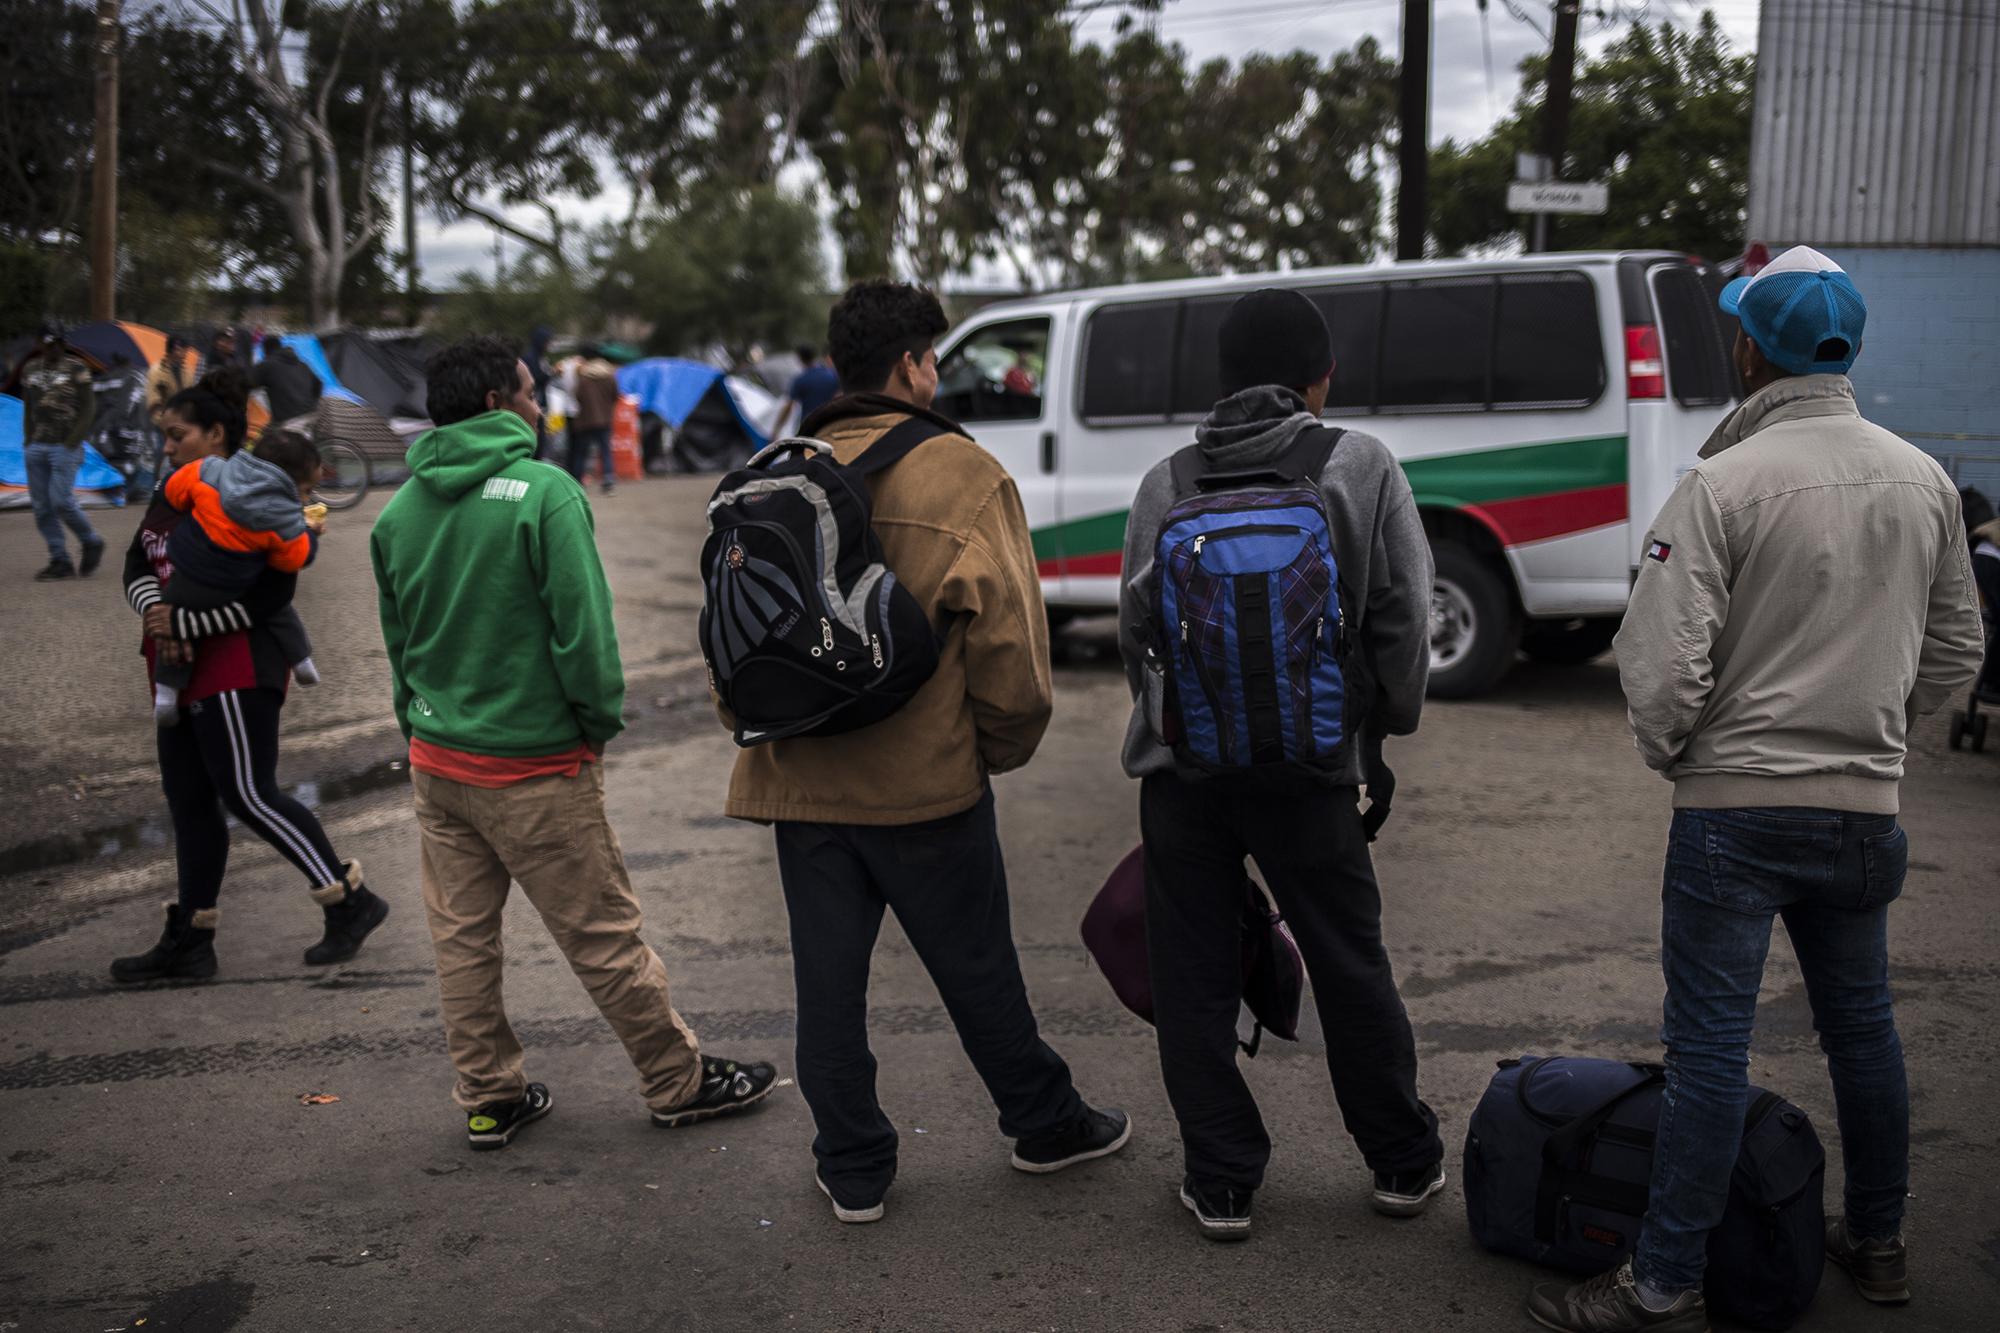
(504, 658)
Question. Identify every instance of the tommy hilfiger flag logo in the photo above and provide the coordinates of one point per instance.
(1658, 551)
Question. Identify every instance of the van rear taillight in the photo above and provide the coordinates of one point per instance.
(1645, 374)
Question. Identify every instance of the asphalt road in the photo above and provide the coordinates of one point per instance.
(156, 1162)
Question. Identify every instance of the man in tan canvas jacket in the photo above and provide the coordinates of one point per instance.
(1804, 598)
(900, 814)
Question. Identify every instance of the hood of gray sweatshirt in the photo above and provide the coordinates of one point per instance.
(1379, 543)
(256, 493)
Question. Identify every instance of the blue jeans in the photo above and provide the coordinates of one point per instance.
(51, 479)
(1831, 876)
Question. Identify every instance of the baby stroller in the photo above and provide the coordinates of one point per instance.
(1969, 727)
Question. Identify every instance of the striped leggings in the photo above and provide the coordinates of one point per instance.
(224, 754)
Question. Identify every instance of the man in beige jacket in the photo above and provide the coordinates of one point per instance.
(899, 814)
(1805, 597)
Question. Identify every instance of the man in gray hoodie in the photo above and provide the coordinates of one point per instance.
(1305, 831)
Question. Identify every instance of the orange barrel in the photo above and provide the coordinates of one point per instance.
(625, 458)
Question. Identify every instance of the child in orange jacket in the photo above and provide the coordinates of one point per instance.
(248, 515)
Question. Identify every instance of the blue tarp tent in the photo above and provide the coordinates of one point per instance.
(714, 429)
(98, 484)
(307, 347)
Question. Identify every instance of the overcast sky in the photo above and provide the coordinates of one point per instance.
(1464, 104)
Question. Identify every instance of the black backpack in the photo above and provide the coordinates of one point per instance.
(1559, 1154)
(806, 633)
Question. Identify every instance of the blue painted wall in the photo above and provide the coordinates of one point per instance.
(1930, 360)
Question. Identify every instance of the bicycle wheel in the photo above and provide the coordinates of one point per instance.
(343, 475)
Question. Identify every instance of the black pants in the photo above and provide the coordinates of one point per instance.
(1307, 842)
(224, 753)
(582, 444)
(948, 887)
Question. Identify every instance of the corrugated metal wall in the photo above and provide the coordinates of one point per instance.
(1877, 122)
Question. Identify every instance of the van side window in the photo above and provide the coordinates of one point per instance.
(1548, 349)
(996, 373)
(1353, 314)
(1198, 367)
(1128, 360)
(1437, 343)
(1697, 335)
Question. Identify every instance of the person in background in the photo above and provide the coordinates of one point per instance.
(1306, 833)
(168, 376)
(59, 403)
(503, 659)
(1985, 542)
(221, 350)
(121, 430)
(900, 815)
(812, 388)
(1803, 599)
(593, 383)
(289, 383)
(537, 361)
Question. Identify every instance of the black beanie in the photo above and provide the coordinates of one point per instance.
(1273, 336)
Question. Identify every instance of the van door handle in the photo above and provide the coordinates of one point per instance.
(1048, 451)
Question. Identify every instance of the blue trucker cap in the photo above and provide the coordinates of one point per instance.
(1798, 301)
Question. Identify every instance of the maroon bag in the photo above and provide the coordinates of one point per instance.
(1274, 975)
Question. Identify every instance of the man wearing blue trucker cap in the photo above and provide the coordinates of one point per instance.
(1805, 596)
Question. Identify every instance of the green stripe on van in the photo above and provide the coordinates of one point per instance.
(1458, 479)
(1520, 472)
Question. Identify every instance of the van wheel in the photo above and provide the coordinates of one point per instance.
(1474, 627)
(1569, 642)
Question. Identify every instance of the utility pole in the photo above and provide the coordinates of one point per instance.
(1555, 105)
(104, 168)
(411, 298)
(1413, 148)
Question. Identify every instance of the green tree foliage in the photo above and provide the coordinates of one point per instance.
(948, 131)
(1662, 115)
(731, 269)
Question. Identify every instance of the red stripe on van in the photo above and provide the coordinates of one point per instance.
(1537, 518)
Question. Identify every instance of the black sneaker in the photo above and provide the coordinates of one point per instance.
(726, 1087)
(1407, 1193)
(871, 1212)
(495, 1126)
(1880, 1268)
(1609, 1303)
(1220, 1212)
(93, 556)
(55, 569)
(1095, 1134)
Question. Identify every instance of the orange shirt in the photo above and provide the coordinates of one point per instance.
(492, 770)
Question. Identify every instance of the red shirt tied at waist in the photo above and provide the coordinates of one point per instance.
(492, 770)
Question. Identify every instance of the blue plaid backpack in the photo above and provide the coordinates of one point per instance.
(1248, 628)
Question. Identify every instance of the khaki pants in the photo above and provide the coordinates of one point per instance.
(551, 835)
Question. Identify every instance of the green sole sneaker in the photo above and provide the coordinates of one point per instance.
(492, 1127)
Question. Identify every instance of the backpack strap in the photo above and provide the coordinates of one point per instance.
(894, 445)
(1302, 462)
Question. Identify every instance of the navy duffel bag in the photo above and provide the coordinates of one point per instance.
(1559, 1156)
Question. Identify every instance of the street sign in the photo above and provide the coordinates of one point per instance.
(1558, 197)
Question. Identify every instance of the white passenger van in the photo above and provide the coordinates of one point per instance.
(1543, 408)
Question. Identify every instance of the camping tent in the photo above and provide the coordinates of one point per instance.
(387, 373)
(98, 484)
(718, 420)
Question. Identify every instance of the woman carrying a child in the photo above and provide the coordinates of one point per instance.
(229, 644)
